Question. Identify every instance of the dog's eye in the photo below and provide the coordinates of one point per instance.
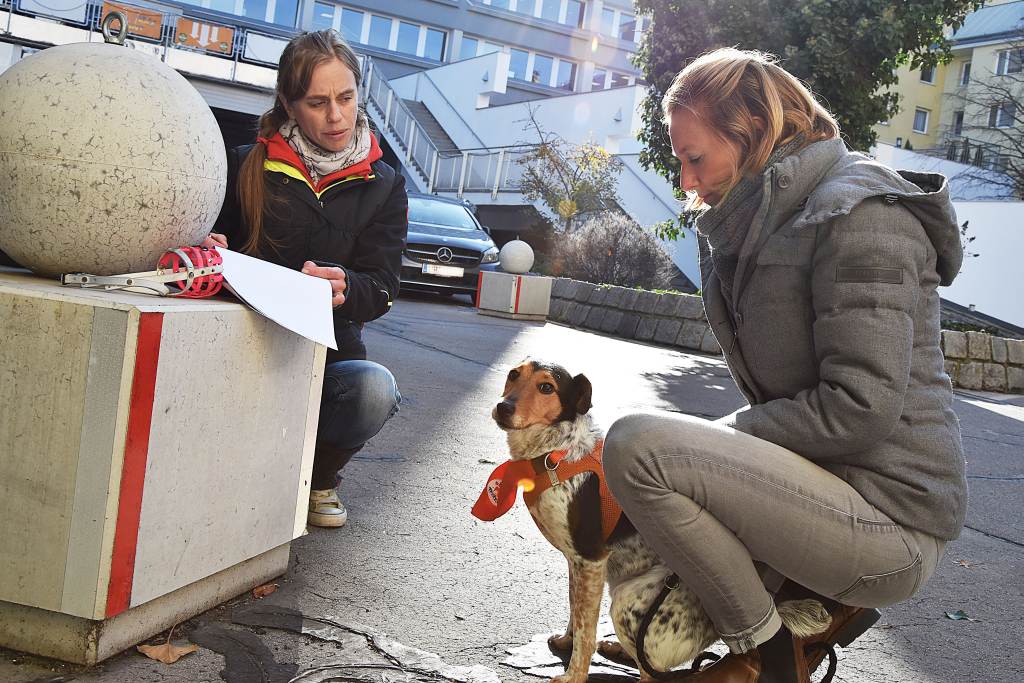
(546, 388)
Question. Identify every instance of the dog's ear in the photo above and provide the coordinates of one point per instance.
(583, 393)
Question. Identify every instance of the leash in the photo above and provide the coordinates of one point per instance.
(671, 583)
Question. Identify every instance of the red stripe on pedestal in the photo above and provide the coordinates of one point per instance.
(479, 286)
(133, 471)
(519, 288)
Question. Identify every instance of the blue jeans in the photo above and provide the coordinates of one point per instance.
(358, 397)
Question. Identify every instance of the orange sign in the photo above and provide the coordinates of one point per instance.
(141, 22)
(211, 37)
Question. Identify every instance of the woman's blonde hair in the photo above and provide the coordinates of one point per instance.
(300, 57)
(748, 99)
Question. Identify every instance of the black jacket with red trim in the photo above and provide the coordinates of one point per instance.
(356, 218)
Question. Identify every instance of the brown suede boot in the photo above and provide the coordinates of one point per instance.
(779, 660)
(848, 624)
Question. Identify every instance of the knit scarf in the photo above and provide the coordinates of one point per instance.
(725, 226)
(320, 162)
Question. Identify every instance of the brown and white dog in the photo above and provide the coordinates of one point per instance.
(545, 410)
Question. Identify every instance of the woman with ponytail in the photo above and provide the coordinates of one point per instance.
(314, 195)
(843, 479)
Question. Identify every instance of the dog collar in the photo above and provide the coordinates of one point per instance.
(539, 474)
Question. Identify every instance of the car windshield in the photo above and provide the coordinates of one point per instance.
(440, 213)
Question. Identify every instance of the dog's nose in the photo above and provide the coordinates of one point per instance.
(506, 409)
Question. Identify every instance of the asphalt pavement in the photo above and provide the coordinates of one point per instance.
(413, 588)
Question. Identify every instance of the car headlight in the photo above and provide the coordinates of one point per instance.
(490, 256)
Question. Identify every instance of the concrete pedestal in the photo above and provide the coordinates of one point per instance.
(155, 457)
(506, 295)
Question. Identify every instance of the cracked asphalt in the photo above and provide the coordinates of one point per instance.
(412, 562)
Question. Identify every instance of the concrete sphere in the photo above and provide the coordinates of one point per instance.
(108, 157)
(516, 257)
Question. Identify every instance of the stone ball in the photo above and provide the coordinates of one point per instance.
(516, 257)
(108, 157)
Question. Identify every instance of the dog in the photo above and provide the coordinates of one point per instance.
(545, 410)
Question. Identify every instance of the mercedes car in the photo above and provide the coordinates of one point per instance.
(446, 248)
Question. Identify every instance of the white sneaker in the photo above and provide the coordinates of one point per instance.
(325, 510)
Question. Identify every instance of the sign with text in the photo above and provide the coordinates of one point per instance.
(203, 36)
(68, 10)
(141, 22)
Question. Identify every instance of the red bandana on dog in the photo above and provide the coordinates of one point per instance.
(536, 476)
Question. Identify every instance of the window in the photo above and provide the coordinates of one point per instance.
(526, 7)
(619, 80)
(408, 38)
(1002, 115)
(549, 9)
(434, 47)
(517, 64)
(380, 31)
(323, 16)
(503, 4)
(352, 25)
(566, 75)
(285, 12)
(543, 67)
(488, 48)
(574, 13)
(597, 82)
(608, 22)
(965, 73)
(928, 74)
(468, 48)
(627, 27)
(1010, 61)
(958, 122)
(255, 9)
(921, 120)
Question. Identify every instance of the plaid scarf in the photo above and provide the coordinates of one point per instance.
(321, 162)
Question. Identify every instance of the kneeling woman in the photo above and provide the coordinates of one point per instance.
(312, 194)
(844, 477)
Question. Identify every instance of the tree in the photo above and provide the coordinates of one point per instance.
(990, 131)
(846, 51)
(610, 248)
(571, 180)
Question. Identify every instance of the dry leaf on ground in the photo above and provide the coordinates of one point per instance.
(168, 653)
(264, 590)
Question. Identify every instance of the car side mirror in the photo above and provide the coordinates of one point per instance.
(485, 229)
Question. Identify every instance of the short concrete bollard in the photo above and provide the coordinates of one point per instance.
(155, 456)
(526, 297)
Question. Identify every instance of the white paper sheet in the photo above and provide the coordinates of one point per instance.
(293, 300)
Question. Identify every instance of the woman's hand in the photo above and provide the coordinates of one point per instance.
(215, 239)
(335, 275)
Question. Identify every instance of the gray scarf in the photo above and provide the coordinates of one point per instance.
(725, 226)
(320, 162)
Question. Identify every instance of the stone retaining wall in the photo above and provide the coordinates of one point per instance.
(975, 360)
(670, 319)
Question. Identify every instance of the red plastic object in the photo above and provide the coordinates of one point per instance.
(201, 257)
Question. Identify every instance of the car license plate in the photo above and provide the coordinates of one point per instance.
(443, 271)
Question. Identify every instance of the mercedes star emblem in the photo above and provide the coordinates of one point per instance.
(445, 255)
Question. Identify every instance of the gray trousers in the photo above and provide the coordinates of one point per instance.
(732, 515)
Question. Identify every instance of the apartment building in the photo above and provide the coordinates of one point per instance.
(964, 109)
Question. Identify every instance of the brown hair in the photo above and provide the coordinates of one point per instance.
(749, 100)
(300, 57)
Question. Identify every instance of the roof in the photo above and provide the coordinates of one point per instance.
(990, 23)
(955, 313)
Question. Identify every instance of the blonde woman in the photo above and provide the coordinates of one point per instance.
(844, 477)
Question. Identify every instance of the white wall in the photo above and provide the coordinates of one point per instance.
(993, 281)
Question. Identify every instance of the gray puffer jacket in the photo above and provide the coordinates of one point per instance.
(833, 331)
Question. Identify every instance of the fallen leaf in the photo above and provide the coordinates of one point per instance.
(167, 653)
(485, 461)
(459, 617)
(965, 563)
(264, 590)
(959, 615)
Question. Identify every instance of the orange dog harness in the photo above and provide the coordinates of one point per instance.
(539, 474)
